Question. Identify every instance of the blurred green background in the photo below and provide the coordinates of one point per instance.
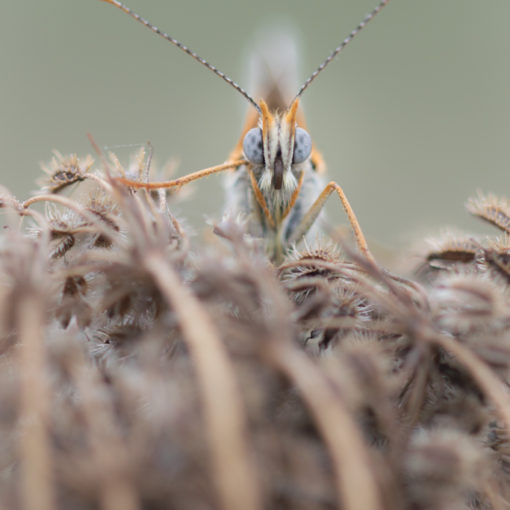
(412, 118)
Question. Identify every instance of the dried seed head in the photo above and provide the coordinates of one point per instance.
(462, 301)
(497, 439)
(441, 467)
(64, 171)
(448, 252)
(492, 209)
(323, 249)
(475, 309)
(496, 258)
(323, 260)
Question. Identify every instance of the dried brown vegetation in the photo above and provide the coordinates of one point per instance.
(138, 372)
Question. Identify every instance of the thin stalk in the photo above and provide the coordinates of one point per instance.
(36, 490)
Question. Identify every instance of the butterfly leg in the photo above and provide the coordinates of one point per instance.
(315, 209)
(181, 181)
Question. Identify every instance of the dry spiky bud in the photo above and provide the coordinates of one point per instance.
(448, 252)
(492, 209)
(325, 290)
(443, 469)
(496, 257)
(64, 171)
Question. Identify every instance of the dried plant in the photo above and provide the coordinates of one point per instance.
(138, 371)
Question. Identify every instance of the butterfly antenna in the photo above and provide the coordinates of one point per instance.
(184, 48)
(345, 42)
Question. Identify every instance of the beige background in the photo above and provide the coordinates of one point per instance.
(412, 119)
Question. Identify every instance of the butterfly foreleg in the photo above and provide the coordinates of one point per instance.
(181, 181)
(316, 208)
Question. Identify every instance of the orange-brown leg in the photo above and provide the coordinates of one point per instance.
(316, 208)
(181, 181)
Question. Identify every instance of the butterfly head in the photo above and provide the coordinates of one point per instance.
(276, 145)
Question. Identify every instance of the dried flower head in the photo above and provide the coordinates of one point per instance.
(492, 209)
(63, 171)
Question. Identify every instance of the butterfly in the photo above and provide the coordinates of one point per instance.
(276, 173)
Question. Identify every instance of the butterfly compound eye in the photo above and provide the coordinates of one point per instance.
(302, 146)
(253, 147)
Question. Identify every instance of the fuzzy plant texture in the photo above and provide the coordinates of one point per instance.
(139, 370)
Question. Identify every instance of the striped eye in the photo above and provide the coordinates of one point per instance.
(302, 146)
(253, 147)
